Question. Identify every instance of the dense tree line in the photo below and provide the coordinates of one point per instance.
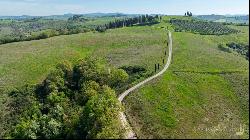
(201, 27)
(140, 20)
(72, 102)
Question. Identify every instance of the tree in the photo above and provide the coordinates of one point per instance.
(157, 16)
(50, 128)
(117, 77)
(101, 116)
(27, 129)
(89, 89)
(54, 82)
(56, 97)
(67, 69)
(190, 14)
(86, 70)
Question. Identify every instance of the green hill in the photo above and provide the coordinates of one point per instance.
(204, 94)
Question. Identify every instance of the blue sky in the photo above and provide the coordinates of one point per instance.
(170, 7)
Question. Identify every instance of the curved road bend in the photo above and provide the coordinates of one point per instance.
(130, 134)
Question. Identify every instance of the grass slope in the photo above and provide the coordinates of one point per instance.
(204, 94)
(29, 62)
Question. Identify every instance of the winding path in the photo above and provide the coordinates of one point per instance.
(129, 132)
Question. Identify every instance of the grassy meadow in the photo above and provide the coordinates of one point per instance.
(204, 94)
(30, 61)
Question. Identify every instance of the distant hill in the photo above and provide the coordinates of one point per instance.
(105, 15)
(17, 17)
(66, 16)
(225, 18)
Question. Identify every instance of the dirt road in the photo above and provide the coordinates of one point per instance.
(129, 132)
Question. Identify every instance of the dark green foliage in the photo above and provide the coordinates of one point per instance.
(240, 48)
(141, 20)
(117, 77)
(188, 14)
(223, 48)
(89, 89)
(102, 112)
(23, 101)
(134, 69)
(72, 102)
(201, 27)
(135, 73)
(84, 71)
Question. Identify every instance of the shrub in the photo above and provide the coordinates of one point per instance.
(225, 49)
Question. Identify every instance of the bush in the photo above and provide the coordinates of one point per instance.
(239, 48)
(117, 77)
(225, 49)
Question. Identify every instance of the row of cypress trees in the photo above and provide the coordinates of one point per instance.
(140, 20)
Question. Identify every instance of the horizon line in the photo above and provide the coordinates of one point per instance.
(243, 14)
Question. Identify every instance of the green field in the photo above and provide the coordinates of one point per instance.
(29, 62)
(204, 94)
